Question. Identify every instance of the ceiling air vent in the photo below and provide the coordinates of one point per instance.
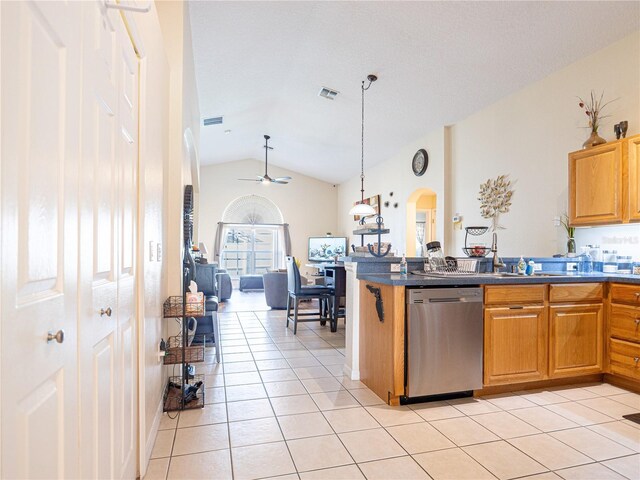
(212, 121)
(328, 93)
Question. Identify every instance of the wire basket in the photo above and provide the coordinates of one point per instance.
(476, 230)
(192, 354)
(451, 266)
(477, 251)
(173, 307)
(174, 397)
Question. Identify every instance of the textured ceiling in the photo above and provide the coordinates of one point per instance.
(262, 64)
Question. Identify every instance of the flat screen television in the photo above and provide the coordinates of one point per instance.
(324, 249)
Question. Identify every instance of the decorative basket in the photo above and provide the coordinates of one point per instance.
(477, 251)
(173, 306)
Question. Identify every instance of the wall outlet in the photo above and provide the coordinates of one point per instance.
(152, 250)
(572, 267)
(395, 268)
(159, 254)
(537, 267)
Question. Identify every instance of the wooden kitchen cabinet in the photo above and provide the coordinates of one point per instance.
(624, 331)
(595, 185)
(633, 148)
(515, 335)
(604, 183)
(576, 340)
(576, 336)
(382, 342)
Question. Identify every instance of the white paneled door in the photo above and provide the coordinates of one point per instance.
(69, 213)
(39, 235)
(108, 206)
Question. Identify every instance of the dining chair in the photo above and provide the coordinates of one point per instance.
(298, 292)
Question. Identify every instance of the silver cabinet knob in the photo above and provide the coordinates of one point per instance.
(636, 359)
(106, 312)
(637, 321)
(58, 336)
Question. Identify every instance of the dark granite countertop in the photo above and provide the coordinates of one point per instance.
(411, 280)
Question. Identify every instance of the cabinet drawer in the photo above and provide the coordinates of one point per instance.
(625, 322)
(514, 294)
(625, 293)
(625, 358)
(576, 292)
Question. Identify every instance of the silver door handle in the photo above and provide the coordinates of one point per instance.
(58, 336)
(106, 312)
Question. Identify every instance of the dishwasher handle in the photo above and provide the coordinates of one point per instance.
(452, 300)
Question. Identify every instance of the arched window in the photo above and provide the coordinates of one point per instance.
(252, 237)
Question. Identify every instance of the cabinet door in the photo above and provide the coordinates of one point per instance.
(634, 178)
(515, 340)
(595, 185)
(575, 340)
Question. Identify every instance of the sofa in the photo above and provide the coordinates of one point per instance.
(276, 292)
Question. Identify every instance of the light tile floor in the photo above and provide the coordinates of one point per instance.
(278, 406)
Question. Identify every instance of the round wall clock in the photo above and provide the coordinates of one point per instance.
(420, 162)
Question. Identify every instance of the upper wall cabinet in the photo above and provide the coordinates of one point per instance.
(633, 145)
(603, 183)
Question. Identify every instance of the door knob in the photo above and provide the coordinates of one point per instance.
(58, 336)
(106, 312)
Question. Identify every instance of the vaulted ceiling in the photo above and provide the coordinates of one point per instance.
(260, 65)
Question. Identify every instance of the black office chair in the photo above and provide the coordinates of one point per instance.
(299, 292)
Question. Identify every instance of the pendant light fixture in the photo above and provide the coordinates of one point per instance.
(362, 209)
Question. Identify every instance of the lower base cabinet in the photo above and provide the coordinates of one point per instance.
(575, 340)
(624, 358)
(515, 340)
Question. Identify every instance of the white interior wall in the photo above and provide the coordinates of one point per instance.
(154, 151)
(395, 175)
(527, 135)
(308, 205)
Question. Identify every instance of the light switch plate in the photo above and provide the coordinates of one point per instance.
(537, 267)
(159, 255)
(395, 268)
(152, 250)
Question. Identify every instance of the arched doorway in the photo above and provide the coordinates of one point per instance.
(421, 220)
(253, 236)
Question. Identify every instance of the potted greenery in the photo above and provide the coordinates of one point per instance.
(571, 242)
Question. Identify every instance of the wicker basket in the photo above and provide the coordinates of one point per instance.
(173, 307)
(174, 352)
(173, 399)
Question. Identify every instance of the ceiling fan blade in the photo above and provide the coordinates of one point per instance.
(279, 181)
(283, 178)
(250, 179)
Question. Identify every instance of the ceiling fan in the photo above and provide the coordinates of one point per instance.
(266, 179)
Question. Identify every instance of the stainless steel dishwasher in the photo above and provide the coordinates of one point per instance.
(444, 340)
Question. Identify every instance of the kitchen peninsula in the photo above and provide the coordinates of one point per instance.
(547, 329)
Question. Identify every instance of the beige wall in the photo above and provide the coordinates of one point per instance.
(395, 175)
(308, 205)
(527, 135)
(154, 158)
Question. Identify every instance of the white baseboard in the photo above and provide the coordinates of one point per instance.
(151, 440)
(349, 373)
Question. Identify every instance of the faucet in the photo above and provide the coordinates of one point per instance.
(497, 263)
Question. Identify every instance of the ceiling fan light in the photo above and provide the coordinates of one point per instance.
(362, 209)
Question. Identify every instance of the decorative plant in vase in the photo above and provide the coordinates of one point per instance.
(495, 199)
(571, 242)
(593, 109)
